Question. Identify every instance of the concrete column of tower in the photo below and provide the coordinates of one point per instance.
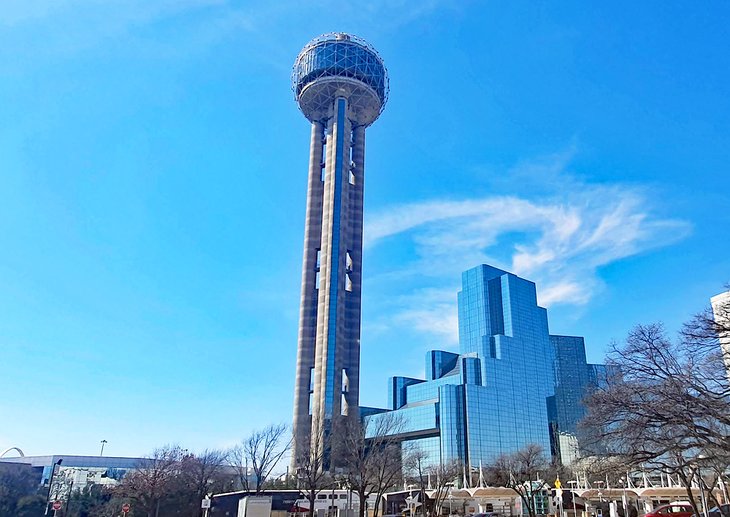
(304, 381)
(332, 343)
(351, 396)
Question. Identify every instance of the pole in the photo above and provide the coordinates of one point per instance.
(68, 499)
(572, 496)
(103, 442)
(702, 491)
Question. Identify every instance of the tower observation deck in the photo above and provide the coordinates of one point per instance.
(341, 87)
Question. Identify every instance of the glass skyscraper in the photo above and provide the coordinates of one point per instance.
(510, 384)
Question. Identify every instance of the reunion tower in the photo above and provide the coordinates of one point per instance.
(341, 86)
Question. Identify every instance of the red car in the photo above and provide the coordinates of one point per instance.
(672, 510)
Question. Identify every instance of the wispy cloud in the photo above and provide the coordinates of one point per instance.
(559, 238)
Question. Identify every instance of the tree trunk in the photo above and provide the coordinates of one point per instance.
(378, 499)
(362, 509)
(312, 497)
(688, 487)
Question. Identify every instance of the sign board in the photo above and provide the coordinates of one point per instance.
(205, 503)
(558, 499)
(125, 508)
(56, 505)
(558, 484)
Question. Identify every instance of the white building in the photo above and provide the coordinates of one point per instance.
(721, 311)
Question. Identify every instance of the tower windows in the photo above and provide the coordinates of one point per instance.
(352, 173)
(344, 389)
(345, 381)
(348, 271)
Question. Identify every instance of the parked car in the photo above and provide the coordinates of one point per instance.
(719, 511)
(673, 510)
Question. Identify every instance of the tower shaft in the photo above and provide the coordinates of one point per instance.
(328, 357)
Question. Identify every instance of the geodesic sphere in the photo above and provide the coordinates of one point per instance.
(335, 64)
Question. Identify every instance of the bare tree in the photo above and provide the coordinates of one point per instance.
(415, 466)
(370, 455)
(706, 328)
(602, 468)
(311, 476)
(203, 474)
(443, 477)
(260, 453)
(669, 408)
(239, 462)
(523, 472)
(153, 482)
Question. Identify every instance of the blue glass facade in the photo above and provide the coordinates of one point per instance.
(510, 384)
(574, 379)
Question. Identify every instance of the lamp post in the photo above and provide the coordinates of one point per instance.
(103, 443)
(701, 483)
(623, 496)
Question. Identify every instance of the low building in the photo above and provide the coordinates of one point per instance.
(77, 472)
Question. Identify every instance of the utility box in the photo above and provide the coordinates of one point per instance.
(255, 506)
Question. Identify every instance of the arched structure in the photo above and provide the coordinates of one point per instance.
(12, 449)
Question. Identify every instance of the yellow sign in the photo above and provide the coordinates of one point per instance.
(558, 484)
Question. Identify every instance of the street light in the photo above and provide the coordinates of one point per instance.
(623, 495)
(451, 498)
(572, 496)
(103, 443)
(701, 483)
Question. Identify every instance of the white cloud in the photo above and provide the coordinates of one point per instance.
(558, 239)
(429, 311)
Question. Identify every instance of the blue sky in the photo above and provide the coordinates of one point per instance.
(153, 168)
